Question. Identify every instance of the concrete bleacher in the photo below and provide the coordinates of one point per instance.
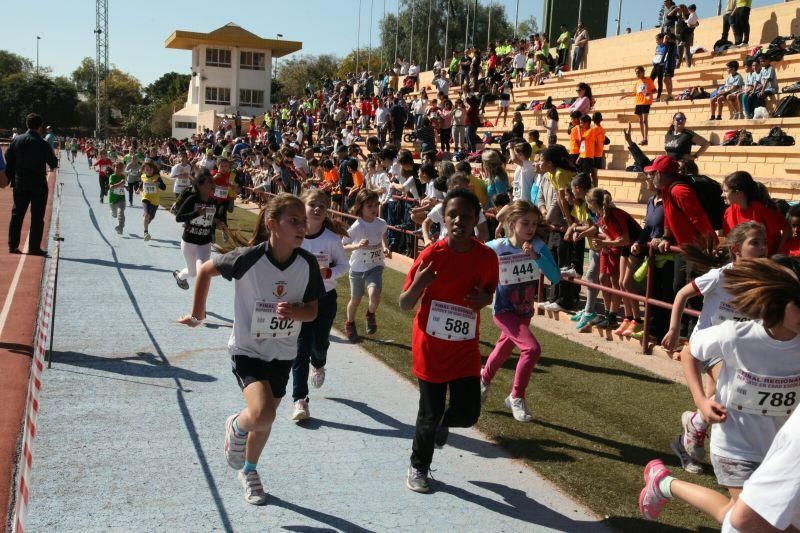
(610, 74)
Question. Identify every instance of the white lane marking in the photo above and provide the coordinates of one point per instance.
(12, 289)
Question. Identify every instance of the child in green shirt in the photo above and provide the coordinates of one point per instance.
(117, 182)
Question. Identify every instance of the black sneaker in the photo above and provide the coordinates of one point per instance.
(440, 439)
(372, 324)
(182, 283)
(350, 330)
(600, 318)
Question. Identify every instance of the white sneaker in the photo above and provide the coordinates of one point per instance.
(253, 489)
(519, 408)
(317, 376)
(484, 391)
(556, 308)
(301, 411)
(235, 445)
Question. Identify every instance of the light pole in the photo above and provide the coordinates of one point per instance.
(619, 16)
(275, 73)
(37, 53)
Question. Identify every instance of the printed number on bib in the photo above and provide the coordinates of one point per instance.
(517, 268)
(726, 311)
(372, 256)
(323, 259)
(220, 192)
(267, 325)
(657, 58)
(763, 395)
(451, 322)
(149, 188)
(182, 183)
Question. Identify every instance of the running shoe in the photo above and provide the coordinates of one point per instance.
(235, 445)
(301, 411)
(484, 391)
(599, 317)
(519, 408)
(350, 330)
(182, 283)
(577, 316)
(651, 501)
(417, 480)
(372, 324)
(557, 308)
(253, 489)
(440, 438)
(146, 236)
(622, 327)
(585, 320)
(687, 463)
(607, 322)
(118, 229)
(694, 439)
(317, 376)
(633, 328)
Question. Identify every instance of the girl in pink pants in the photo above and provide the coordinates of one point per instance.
(513, 303)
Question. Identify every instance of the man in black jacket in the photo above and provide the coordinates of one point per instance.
(26, 160)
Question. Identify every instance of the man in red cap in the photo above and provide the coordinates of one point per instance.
(685, 221)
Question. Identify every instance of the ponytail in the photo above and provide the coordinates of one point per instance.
(762, 288)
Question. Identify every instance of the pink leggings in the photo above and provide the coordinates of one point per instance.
(514, 331)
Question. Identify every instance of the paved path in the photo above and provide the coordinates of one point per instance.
(131, 422)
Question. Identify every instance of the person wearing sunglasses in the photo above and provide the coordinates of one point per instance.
(679, 140)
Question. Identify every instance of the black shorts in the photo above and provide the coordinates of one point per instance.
(586, 165)
(149, 208)
(642, 110)
(598, 163)
(249, 370)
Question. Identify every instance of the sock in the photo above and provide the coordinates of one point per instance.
(249, 467)
(612, 315)
(629, 318)
(370, 314)
(238, 431)
(698, 422)
(663, 486)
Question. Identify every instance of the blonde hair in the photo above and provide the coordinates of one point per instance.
(599, 196)
(762, 288)
(493, 165)
(518, 209)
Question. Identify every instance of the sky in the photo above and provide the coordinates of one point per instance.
(138, 28)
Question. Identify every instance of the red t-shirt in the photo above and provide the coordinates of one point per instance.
(366, 109)
(221, 180)
(684, 216)
(792, 247)
(616, 223)
(756, 211)
(103, 166)
(437, 360)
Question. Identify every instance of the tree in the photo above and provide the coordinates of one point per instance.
(22, 93)
(167, 88)
(456, 32)
(11, 63)
(84, 77)
(123, 90)
(348, 64)
(294, 73)
(527, 27)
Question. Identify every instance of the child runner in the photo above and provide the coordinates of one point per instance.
(104, 167)
(181, 173)
(513, 304)
(746, 241)
(324, 241)
(116, 195)
(758, 384)
(134, 171)
(277, 287)
(454, 279)
(366, 238)
(197, 213)
(151, 184)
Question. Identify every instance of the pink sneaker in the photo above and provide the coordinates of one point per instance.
(651, 501)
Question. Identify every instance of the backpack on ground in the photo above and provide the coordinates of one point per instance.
(709, 194)
(721, 45)
(777, 137)
(737, 138)
(789, 106)
(793, 88)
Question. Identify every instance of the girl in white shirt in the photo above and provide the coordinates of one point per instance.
(367, 239)
(324, 241)
(758, 386)
(746, 241)
(277, 288)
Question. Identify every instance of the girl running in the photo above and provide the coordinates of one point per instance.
(366, 238)
(134, 172)
(454, 279)
(513, 304)
(324, 241)
(277, 287)
(197, 213)
(116, 195)
(746, 241)
(151, 185)
(757, 388)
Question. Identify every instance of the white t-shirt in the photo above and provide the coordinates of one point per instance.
(437, 217)
(692, 20)
(746, 348)
(716, 300)
(410, 185)
(381, 116)
(182, 175)
(364, 259)
(326, 246)
(524, 177)
(433, 192)
(773, 491)
(301, 163)
(519, 60)
(380, 182)
(413, 70)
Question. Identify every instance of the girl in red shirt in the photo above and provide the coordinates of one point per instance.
(748, 199)
(454, 279)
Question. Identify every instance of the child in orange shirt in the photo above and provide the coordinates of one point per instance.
(575, 136)
(598, 135)
(643, 89)
(587, 145)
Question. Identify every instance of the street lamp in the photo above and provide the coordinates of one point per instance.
(275, 73)
(37, 53)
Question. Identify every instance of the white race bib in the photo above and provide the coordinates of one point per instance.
(451, 322)
(118, 188)
(517, 268)
(149, 188)
(220, 192)
(323, 259)
(372, 256)
(181, 184)
(267, 325)
(657, 58)
(763, 395)
(583, 147)
(641, 88)
(726, 311)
